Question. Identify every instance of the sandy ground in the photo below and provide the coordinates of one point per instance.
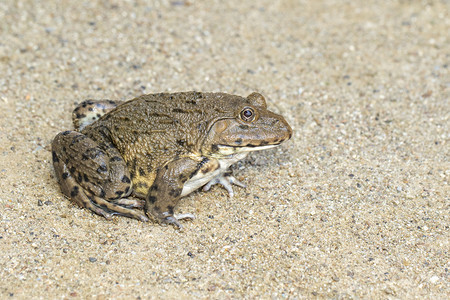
(356, 205)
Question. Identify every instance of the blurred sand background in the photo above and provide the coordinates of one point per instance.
(356, 205)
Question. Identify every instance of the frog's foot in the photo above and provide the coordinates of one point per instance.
(173, 220)
(226, 180)
(89, 111)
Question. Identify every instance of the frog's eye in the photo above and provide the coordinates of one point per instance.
(247, 114)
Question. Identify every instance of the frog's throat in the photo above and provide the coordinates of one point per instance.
(229, 150)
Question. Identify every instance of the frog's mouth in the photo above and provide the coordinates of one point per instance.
(230, 150)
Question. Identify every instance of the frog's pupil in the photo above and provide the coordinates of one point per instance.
(247, 113)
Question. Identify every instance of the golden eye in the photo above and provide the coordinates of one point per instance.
(247, 114)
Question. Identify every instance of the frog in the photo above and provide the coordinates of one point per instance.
(138, 158)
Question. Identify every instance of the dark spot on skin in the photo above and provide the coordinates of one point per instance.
(193, 174)
(170, 209)
(125, 179)
(141, 171)
(79, 178)
(132, 175)
(84, 156)
(207, 170)
(90, 109)
(244, 127)
(202, 163)
(127, 190)
(106, 145)
(74, 191)
(191, 102)
(152, 199)
(66, 132)
(181, 142)
(214, 148)
(99, 115)
(238, 141)
(79, 116)
(178, 110)
(182, 177)
(86, 179)
(78, 138)
(141, 184)
(157, 209)
(93, 153)
(102, 169)
(55, 157)
(154, 187)
(90, 102)
(264, 143)
(166, 167)
(65, 175)
(198, 95)
(116, 158)
(119, 193)
(175, 193)
(111, 102)
(72, 170)
(102, 193)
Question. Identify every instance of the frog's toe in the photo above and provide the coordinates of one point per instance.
(188, 216)
(116, 208)
(174, 220)
(226, 180)
(130, 203)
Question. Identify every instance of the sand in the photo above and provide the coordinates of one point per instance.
(355, 205)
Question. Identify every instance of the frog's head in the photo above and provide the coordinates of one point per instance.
(246, 126)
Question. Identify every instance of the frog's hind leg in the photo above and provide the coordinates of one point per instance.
(92, 177)
(89, 111)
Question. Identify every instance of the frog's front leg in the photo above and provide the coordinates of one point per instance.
(94, 175)
(169, 187)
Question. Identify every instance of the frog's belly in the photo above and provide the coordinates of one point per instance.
(200, 179)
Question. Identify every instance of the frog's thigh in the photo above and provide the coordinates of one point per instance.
(101, 170)
(88, 175)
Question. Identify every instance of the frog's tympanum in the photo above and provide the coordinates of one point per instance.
(159, 147)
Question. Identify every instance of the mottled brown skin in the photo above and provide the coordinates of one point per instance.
(160, 147)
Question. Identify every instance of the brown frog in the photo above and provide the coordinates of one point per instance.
(159, 147)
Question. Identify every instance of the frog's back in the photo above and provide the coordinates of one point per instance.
(182, 118)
